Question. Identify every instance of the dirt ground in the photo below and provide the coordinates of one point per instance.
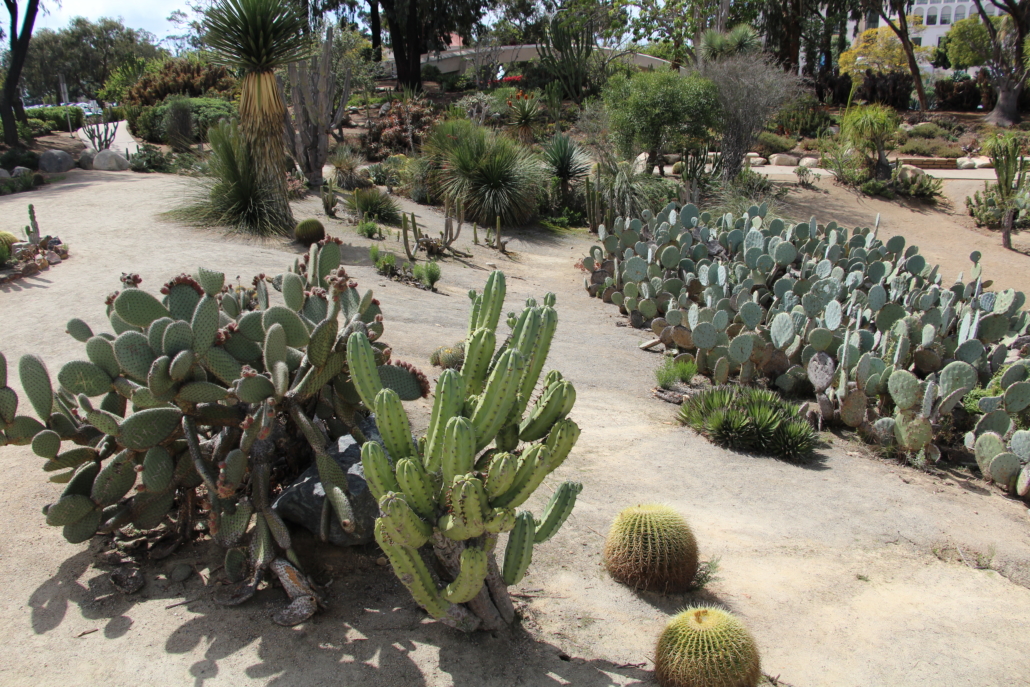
(851, 571)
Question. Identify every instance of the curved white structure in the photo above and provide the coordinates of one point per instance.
(451, 61)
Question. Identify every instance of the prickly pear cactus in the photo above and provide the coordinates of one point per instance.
(453, 492)
(207, 385)
(808, 307)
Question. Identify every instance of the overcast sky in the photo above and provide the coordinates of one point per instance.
(151, 15)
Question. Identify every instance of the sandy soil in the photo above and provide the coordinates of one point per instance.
(851, 571)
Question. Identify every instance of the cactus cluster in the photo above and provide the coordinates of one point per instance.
(864, 323)
(451, 493)
(208, 385)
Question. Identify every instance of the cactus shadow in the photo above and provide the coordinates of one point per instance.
(26, 283)
(672, 603)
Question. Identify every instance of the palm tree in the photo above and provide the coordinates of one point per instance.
(256, 37)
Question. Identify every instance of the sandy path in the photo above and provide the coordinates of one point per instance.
(831, 566)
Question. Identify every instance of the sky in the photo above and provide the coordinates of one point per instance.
(136, 14)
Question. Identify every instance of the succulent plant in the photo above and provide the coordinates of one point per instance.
(809, 307)
(450, 493)
(309, 231)
(208, 385)
(706, 647)
(651, 547)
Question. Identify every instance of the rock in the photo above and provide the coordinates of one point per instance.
(752, 156)
(909, 172)
(19, 246)
(20, 171)
(86, 158)
(4, 174)
(783, 160)
(673, 158)
(301, 502)
(809, 162)
(53, 258)
(833, 130)
(384, 109)
(983, 162)
(757, 161)
(965, 163)
(55, 162)
(906, 127)
(110, 161)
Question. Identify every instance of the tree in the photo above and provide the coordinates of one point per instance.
(872, 127)
(878, 50)
(19, 51)
(681, 23)
(651, 109)
(87, 54)
(257, 37)
(904, 27)
(999, 45)
(420, 26)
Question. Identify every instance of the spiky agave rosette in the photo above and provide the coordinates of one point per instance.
(651, 547)
(206, 398)
(453, 492)
(706, 647)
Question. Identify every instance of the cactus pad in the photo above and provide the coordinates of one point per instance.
(905, 389)
(651, 547)
(782, 330)
(1017, 397)
(1004, 469)
(987, 446)
(705, 335)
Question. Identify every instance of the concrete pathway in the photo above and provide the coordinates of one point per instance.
(123, 140)
(974, 174)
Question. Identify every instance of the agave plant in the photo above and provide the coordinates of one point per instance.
(257, 37)
(524, 109)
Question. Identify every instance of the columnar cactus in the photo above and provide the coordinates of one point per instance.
(453, 492)
(209, 359)
(812, 305)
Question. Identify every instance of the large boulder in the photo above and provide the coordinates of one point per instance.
(20, 171)
(965, 163)
(910, 172)
(4, 174)
(301, 502)
(809, 162)
(110, 161)
(86, 158)
(783, 160)
(55, 162)
(757, 161)
(983, 162)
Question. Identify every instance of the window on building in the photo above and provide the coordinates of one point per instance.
(931, 17)
(917, 41)
(919, 12)
(872, 20)
(935, 2)
(920, 2)
(960, 13)
(946, 16)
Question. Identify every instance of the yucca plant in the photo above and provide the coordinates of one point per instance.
(565, 161)
(256, 37)
(345, 163)
(524, 109)
(872, 127)
(375, 204)
(716, 45)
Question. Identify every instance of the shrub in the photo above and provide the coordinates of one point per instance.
(963, 95)
(56, 116)
(917, 146)
(374, 203)
(892, 89)
(928, 130)
(947, 150)
(16, 184)
(369, 228)
(181, 76)
(430, 273)
(149, 123)
(430, 72)
(872, 127)
(804, 116)
(19, 157)
(309, 231)
(149, 158)
(769, 143)
(39, 127)
(419, 173)
(402, 130)
(672, 372)
(234, 195)
(178, 124)
(345, 163)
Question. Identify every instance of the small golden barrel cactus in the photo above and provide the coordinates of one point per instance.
(651, 547)
(706, 647)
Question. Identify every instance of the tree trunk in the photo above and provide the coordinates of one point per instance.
(1007, 223)
(376, 27)
(901, 30)
(1006, 110)
(406, 40)
(492, 607)
(10, 102)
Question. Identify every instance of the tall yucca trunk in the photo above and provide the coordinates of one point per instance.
(262, 113)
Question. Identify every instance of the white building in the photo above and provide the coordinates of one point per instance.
(937, 16)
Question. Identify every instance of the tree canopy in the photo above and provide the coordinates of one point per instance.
(881, 51)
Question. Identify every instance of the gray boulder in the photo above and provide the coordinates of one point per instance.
(4, 174)
(110, 161)
(301, 502)
(20, 171)
(86, 158)
(55, 162)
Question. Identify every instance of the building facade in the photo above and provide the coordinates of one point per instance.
(937, 16)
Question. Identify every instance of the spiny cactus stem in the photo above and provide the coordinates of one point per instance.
(189, 426)
(315, 439)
